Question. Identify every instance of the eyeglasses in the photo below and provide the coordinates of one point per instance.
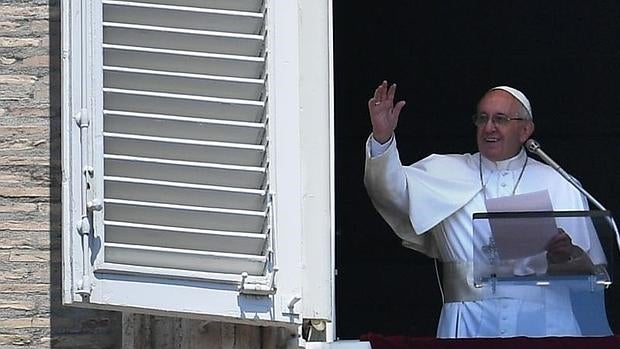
(497, 119)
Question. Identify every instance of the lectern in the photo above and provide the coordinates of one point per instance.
(511, 260)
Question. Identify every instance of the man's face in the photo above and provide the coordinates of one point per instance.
(501, 142)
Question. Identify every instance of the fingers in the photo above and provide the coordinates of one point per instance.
(380, 92)
(560, 237)
(397, 108)
(559, 241)
(371, 103)
(559, 247)
(563, 238)
(384, 93)
(391, 93)
(381, 105)
(383, 112)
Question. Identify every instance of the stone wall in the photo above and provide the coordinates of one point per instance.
(155, 332)
(31, 314)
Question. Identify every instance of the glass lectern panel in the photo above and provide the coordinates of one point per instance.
(543, 247)
(558, 260)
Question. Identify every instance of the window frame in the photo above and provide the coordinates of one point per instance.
(303, 201)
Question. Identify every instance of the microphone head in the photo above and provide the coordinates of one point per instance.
(532, 145)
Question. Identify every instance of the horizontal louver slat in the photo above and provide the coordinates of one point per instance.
(183, 259)
(225, 280)
(186, 171)
(183, 193)
(239, 5)
(134, 101)
(191, 17)
(184, 149)
(185, 146)
(184, 216)
(196, 85)
(182, 96)
(184, 128)
(182, 39)
(185, 238)
(183, 61)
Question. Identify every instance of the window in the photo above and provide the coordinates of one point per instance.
(197, 158)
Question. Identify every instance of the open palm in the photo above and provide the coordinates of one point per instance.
(383, 113)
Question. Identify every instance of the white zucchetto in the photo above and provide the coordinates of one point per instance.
(518, 95)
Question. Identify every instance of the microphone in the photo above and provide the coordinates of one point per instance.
(534, 147)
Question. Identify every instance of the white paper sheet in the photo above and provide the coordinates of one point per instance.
(519, 237)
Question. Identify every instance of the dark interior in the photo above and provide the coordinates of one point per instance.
(565, 56)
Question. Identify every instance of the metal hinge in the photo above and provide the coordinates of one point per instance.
(92, 203)
(89, 204)
(258, 289)
(81, 118)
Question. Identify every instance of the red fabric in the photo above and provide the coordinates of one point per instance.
(403, 342)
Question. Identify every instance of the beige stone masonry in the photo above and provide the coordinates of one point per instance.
(29, 256)
(35, 61)
(24, 192)
(8, 160)
(17, 79)
(15, 339)
(24, 323)
(24, 240)
(25, 274)
(17, 42)
(13, 305)
(24, 288)
(7, 60)
(18, 207)
(24, 11)
(24, 225)
(8, 26)
(18, 138)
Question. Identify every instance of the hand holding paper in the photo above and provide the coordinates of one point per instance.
(560, 247)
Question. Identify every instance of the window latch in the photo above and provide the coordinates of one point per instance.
(258, 289)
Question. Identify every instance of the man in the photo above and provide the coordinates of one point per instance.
(430, 206)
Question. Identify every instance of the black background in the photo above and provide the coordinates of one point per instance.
(564, 55)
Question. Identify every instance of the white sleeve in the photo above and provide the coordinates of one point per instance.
(386, 184)
(377, 149)
(384, 177)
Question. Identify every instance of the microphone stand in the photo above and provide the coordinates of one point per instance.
(534, 147)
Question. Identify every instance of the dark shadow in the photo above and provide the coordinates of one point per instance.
(70, 327)
(565, 55)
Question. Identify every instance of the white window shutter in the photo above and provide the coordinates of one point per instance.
(185, 172)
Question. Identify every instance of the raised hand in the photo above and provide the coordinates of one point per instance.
(383, 113)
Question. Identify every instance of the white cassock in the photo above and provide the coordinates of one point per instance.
(430, 206)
